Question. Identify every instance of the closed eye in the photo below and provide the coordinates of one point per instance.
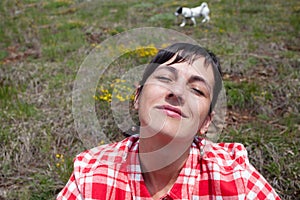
(164, 79)
(198, 92)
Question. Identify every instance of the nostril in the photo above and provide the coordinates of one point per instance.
(174, 99)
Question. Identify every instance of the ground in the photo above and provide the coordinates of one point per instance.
(43, 44)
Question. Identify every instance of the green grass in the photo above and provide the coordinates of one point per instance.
(43, 43)
(241, 95)
(12, 106)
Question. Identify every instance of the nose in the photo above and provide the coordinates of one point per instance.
(176, 95)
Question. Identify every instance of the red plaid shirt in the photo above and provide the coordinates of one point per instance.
(113, 172)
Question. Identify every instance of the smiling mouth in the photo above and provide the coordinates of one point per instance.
(172, 111)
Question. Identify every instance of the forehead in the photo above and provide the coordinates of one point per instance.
(195, 66)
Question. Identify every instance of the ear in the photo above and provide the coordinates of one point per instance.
(206, 123)
(179, 10)
(136, 97)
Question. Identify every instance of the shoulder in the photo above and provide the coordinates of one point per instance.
(228, 156)
(227, 150)
(108, 154)
(231, 161)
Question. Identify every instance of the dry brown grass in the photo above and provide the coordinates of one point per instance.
(41, 50)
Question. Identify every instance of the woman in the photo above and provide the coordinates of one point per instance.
(167, 160)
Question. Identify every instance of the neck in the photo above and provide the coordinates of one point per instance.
(161, 181)
(161, 164)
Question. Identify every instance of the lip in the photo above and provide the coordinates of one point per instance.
(172, 111)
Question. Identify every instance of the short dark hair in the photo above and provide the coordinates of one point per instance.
(186, 52)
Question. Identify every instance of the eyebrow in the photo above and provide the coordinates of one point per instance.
(199, 79)
(170, 69)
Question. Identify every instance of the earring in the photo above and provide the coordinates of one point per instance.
(202, 147)
(202, 132)
(131, 131)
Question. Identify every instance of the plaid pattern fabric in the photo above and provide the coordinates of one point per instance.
(113, 172)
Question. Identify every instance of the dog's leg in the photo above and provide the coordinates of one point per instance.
(206, 19)
(193, 20)
(183, 22)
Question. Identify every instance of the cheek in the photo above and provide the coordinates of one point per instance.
(145, 100)
(199, 108)
(151, 96)
(152, 92)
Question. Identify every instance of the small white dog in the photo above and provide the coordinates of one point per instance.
(192, 13)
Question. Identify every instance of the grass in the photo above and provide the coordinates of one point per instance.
(43, 43)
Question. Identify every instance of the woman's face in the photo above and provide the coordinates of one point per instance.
(175, 100)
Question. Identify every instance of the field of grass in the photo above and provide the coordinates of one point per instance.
(43, 43)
